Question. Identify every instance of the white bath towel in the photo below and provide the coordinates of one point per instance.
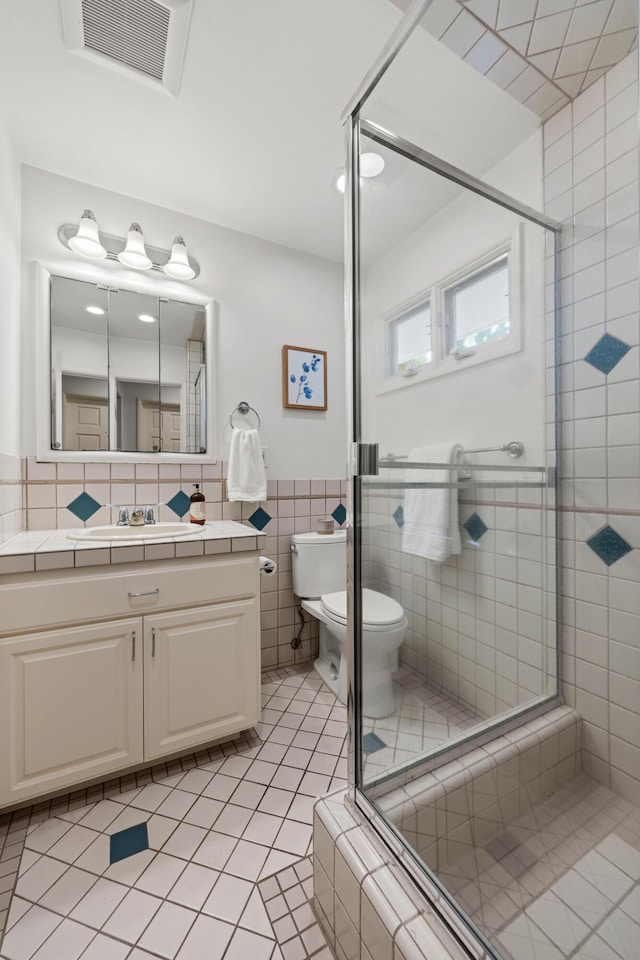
(431, 525)
(246, 477)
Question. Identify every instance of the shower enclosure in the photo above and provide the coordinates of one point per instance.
(453, 289)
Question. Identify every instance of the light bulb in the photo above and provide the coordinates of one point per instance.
(134, 254)
(178, 265)
(86, 242)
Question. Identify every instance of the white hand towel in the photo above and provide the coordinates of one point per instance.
(431, 525)
(246, 478)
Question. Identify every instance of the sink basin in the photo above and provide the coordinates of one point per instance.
(151, 531)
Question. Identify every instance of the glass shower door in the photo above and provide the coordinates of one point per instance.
(453, 541)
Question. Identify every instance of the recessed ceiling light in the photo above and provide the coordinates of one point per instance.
(147, 318)
(97, 310)
(371, 164)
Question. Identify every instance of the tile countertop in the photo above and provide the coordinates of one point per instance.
(34, 550)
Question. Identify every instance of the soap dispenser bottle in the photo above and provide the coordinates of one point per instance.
(196, 510)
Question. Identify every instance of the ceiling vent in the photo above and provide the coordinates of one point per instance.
(146, 38)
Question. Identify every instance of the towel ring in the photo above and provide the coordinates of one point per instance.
(244, 408)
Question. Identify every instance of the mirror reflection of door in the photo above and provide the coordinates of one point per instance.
(85, 413)
(158, 430)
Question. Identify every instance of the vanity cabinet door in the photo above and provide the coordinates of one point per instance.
(70, 706)
(202, 675)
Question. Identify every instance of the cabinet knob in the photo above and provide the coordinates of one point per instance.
(153, 641)
(145, 593)
(133, 646)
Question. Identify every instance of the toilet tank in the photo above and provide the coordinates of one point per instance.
(318, 563)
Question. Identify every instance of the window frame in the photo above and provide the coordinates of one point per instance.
(442, 362)
(423, 299)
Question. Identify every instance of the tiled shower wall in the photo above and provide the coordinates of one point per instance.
(591, 185)
(12, 519)
(480, 624)
(292, 506)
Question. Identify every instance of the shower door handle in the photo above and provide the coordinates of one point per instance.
(366, 457)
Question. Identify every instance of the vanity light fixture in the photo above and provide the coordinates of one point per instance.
(86, 241)
(134, 254)
(178, 265)
(147, 318)
(97, 310)
(371, 165)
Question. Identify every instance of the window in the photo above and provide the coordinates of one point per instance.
(409, 340)
(463, 318)
(476, 308)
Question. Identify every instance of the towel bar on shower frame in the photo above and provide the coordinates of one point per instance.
(244, 408)
(515, 449)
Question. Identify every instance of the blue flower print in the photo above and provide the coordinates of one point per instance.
(305, 390)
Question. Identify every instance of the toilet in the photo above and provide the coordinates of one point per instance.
(319, 568)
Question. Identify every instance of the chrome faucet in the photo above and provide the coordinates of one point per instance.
(138, 517)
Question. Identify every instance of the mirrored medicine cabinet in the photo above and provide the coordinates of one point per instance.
(129, 372)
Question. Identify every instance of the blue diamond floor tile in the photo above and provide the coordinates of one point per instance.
(609, 545)
(259, 518)
(179, 503)
(127, 842)
(606, 353)
(83, 506)
(371, 743)
(398, 515)
(339, 514)
(475, 527)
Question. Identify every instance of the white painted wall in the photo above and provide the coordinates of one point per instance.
(267, 295)
(477, 404)
(9, 292)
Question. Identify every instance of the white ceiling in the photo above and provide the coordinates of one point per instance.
(253, 138)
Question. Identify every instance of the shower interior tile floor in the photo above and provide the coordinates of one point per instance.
(562, 881)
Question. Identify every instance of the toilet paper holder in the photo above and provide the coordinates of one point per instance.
(267, 566)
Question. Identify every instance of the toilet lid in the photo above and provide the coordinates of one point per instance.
(377, 609)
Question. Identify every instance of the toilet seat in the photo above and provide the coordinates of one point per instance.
(379, 611)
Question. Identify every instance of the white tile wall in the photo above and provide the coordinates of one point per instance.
(597, 139)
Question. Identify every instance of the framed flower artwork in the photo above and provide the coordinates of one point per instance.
(304, 378)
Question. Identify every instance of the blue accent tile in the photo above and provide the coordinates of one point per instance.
(339, 514)
(606, 353)
(398, 516)
(371, 743)
(83, 506)
(475, 527)
(179, 503)
(259, 518)
(127, 842)
(609, 545)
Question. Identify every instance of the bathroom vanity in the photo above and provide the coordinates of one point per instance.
(111, 666)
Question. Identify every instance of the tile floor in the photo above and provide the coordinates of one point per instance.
(227, 872)
(561, 882)
(424, 719)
